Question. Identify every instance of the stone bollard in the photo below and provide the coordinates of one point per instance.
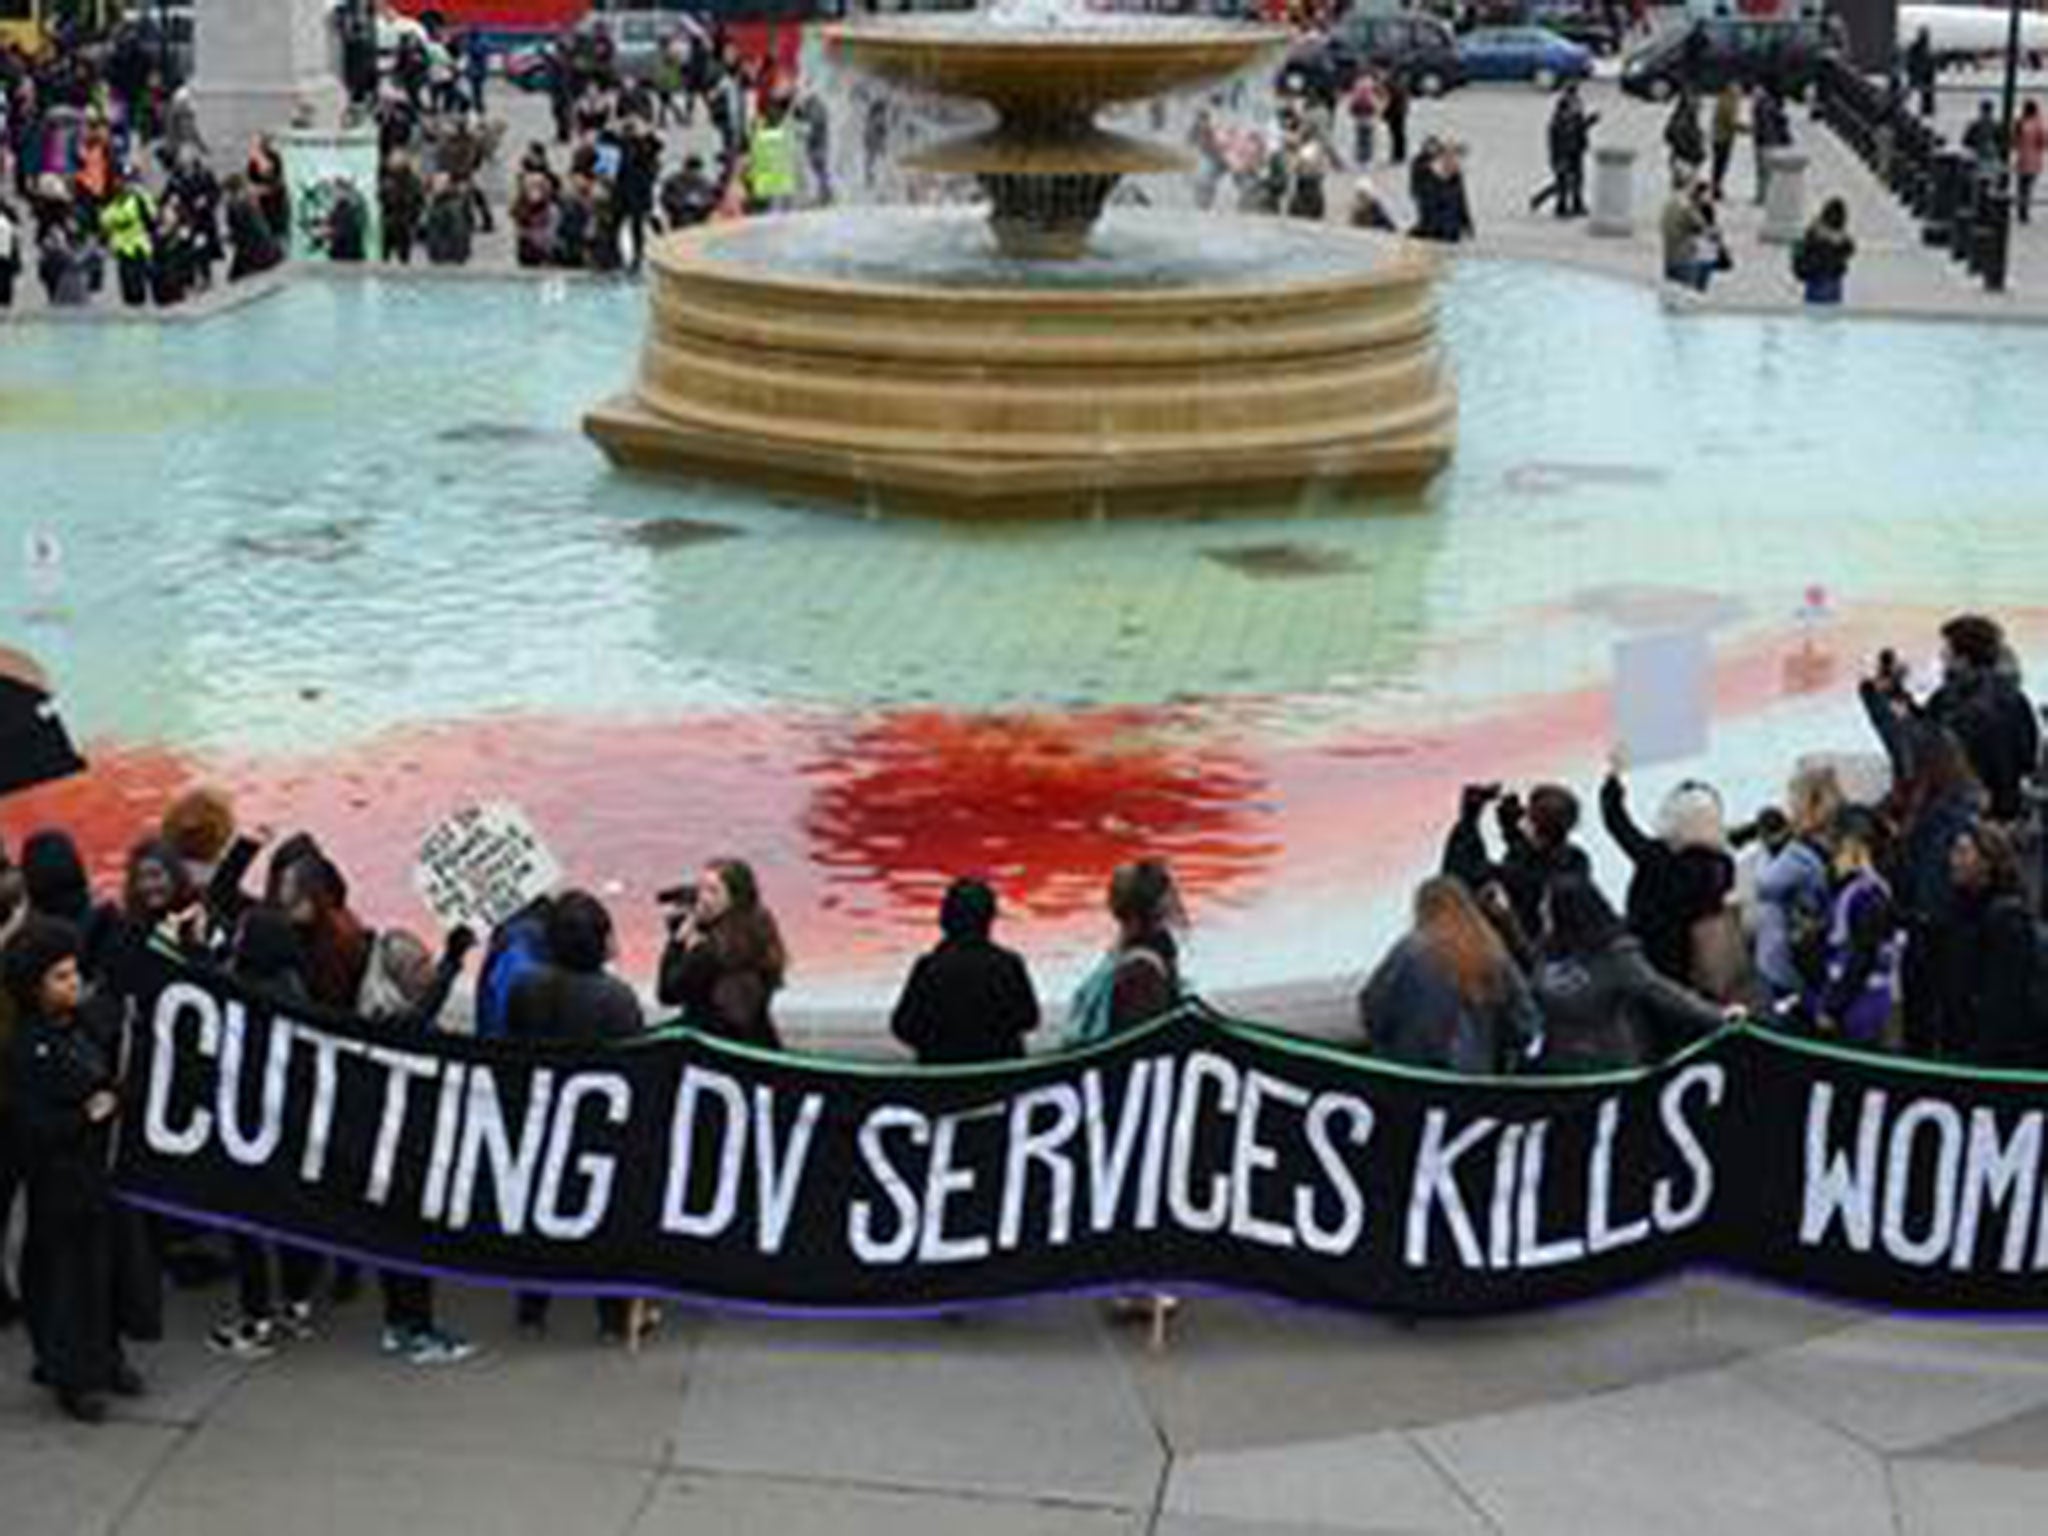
(1784, 196)
(1614, 190)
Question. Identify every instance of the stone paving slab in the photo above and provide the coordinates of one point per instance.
(1357, 1483)
(227, 1481)
(746, 1506)
(1705, 1453)
(58, 1478)
(1944, 1498)
(1020, 1403)
(1898, 1395)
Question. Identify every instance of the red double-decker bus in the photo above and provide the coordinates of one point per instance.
(503, 21)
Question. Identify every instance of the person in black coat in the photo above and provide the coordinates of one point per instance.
(573, 998)
(639, 174)
(1537, 852)
(1682, 876)
(1980, 701)
(1569, 135)
(65, 1104)
(970, 999)
(1985, 957)
(54, 879)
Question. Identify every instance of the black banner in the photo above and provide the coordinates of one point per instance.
(1197, 1152)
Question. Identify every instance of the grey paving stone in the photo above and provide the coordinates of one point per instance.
(745, 1506)
(1949, 1498)
(1360, 1483)
(1900, 1393)
(63, 1479)
(1703, 1453)
(1025, 1402)
(566, 1397)
(231, 1481)
(2020, 1442)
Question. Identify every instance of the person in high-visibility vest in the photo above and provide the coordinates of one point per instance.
(128, 224)
(771, 162)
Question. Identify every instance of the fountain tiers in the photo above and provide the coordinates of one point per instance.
(989, 395)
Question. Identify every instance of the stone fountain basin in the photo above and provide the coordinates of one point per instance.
(1096, 61)
(931, 375)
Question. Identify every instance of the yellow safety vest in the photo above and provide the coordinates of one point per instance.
(771, 162)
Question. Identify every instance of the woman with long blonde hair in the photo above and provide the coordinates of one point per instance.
(1448, 994)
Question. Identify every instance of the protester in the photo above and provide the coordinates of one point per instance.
(725, 960)
(1448, 995)
(1139, 978)
(1984, 951)
(1677, 896)
(1792, 882)
(1854, 986)
(404, 986)
(573, 998)
(65, 1103)
(1605, 1007)
(10, 252)
(13, 910)
(1537, 850)
(970, 999)
(55, 884)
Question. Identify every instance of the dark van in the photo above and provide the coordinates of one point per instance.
(1710, 54)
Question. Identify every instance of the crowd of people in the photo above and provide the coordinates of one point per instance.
(1908, 924)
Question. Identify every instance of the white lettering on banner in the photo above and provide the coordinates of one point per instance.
(327, 1049)
(1947, 1125)
(401, 1070)
(1339, 1240)
(1180, 1192)
(1047, 1147)
(1500, 1239)
(943, 1183)
(484, 1135)
(677, 1217)
(1836, 1188)
(1152, 1171)
(1436, 1185)
(252, 1148)
(778, 1178)
(1532, 1251)
(596, 1169)
(1666, 1210)
(1250, 1157)
(860, 1216)
(1109, 1148)
(1602, 1234)
(441, 1161)
(1999, 1176)
(172, 1004)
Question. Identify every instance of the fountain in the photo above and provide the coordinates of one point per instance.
(1053, 357)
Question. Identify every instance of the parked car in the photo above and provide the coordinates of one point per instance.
(1575, 21)
(1522, 53)
(1422, 50)
(1709, 54)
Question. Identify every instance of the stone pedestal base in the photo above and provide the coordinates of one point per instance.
(262, 65)
(1614, 190)
(1784, 196)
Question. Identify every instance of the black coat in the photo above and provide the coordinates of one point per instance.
(586, 1007)
(968, 1000)
(1995, 724)
(1985, 967)
(1611, 1010)
(726, 1000)
(1672, 889)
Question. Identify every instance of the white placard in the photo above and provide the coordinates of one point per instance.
(482, 865)
(1663, 696)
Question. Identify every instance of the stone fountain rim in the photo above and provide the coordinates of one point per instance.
(689, 255)
(1137, 34)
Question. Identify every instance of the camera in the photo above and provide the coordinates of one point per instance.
(681, 897)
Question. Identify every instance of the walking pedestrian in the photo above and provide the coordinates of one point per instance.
(2030, 150)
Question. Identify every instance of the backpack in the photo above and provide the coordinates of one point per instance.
(518, 950)
(1802, 261)
(1091, 1012)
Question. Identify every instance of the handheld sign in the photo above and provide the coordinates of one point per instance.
(1662, 696)
(482, 865)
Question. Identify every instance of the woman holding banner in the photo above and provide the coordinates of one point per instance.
(1448, 995)
(1605, 1007)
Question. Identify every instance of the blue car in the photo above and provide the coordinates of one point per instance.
(1522, 53)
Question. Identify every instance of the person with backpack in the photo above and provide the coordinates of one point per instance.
(1138, 978)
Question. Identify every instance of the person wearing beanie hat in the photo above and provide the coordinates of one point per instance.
(64, 1109)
